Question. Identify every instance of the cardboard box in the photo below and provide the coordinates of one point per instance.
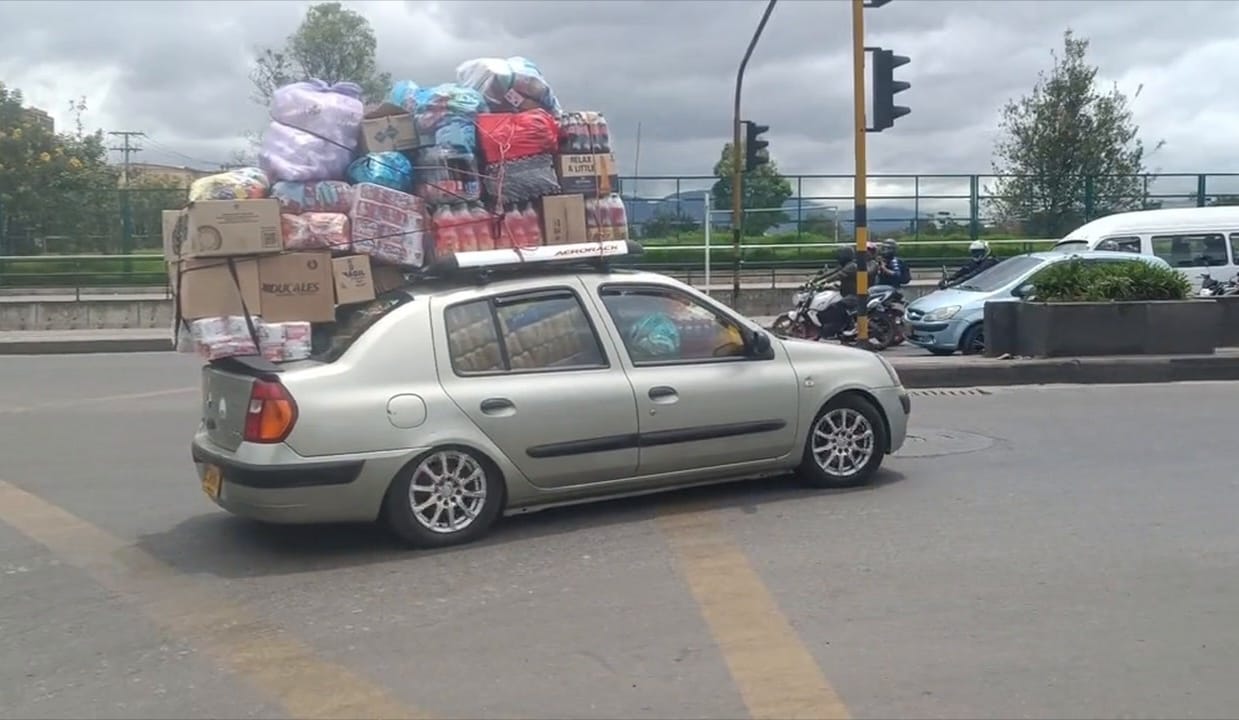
(358, 280)
(563, 219)
(224, 228)
(589, 175)
(207, 288)
(297, 286)
(170, 249)
(388, 127)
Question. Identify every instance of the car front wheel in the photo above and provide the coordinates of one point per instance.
(447, 496)
(847, 442)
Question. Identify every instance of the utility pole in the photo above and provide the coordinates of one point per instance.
(126, 149)
(860, 213)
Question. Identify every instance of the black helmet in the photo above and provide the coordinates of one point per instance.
(845, 255)
(889, 248)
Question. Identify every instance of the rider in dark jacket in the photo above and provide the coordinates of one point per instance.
(892, 270)
(835, 316)
(980, 258)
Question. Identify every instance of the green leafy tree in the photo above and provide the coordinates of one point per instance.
(148, 196)
(1068, 151)
(332, 44)
(56, 189)
(822, 223)
(762, 191)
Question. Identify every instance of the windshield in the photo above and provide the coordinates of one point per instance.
(1070, 245)
(331, 341)
(1001, 274)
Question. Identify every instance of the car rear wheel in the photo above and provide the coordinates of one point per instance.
(847, 442)
(447, 496)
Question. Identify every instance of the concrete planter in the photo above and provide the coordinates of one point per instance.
(1001, 331)
(1176, 327)
(1228, 335)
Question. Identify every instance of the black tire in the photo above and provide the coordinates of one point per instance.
(881, 332)
(403, 518)
(941, 352)
(813, 473)
(973, 340)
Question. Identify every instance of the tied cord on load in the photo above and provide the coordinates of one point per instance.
(179, 321)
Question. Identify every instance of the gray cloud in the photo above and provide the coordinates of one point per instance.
(179, 70)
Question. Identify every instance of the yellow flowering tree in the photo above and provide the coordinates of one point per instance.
(57, 192)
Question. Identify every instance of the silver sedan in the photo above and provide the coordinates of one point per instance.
(439, 407)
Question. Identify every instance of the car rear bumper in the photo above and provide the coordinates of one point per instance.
(298, 490)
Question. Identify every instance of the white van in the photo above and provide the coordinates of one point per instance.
(1193, 240)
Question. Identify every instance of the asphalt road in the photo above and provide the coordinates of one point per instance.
(1040, 552)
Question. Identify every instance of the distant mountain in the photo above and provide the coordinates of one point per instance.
(882, 218)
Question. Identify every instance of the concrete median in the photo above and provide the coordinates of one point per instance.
(916, 371)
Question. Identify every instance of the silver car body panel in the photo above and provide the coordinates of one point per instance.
(557, 437)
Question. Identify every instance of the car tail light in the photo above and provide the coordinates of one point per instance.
(271, 414)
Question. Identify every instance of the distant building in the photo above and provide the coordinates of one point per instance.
(182, 176)
(38, 116)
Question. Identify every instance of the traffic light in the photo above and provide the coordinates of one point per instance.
(885, 111)
(755, 153)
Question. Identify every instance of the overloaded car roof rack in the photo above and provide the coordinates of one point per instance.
(483, 265)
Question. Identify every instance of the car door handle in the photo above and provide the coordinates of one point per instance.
(662, 393)
(498, 406)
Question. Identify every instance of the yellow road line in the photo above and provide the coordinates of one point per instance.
(263, 655)
(776, 675)
(63, 404)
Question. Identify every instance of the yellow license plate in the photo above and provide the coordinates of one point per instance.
(212, 479)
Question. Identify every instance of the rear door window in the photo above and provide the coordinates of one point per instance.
(1192, 250)
(1127, 243)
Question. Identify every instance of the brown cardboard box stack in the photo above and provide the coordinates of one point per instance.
(349, 198)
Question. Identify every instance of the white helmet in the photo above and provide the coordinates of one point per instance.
(978, 249)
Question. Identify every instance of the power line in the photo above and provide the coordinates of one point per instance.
(127, 149)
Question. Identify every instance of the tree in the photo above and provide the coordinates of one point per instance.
(762, 191)
(332, 44)
(666, 223)
(821, 222)
(1068, 152)
(56, 189)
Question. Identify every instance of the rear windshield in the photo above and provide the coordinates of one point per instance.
(332, 340)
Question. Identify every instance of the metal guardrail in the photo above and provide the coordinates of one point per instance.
(78, 272)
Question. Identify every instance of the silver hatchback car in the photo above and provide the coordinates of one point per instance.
(442, 405)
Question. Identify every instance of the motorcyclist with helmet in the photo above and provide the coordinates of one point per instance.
(834, 317)
(980, 258)
(873, 262)
(891, 269)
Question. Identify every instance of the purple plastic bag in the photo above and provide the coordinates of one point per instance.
(314, 131)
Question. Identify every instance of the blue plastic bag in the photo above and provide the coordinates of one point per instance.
(389, 169)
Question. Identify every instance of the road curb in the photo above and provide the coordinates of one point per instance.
(915, 372)
(1069, 371)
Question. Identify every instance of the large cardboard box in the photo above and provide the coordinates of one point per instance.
(297, 286)
(563, 219)
(207, 287)
(388, 128)
(225, 228)
(589, 175)
(358, 280)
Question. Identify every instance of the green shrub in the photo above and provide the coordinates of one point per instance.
(1077, 281)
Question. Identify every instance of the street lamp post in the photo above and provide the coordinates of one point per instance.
(737, 159)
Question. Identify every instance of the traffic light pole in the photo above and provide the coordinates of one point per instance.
(860, 214)
(737, 161)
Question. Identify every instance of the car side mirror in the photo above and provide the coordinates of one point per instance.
(758, 344)
(1023, 290)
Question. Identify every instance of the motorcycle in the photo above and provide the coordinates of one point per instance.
(1209, 287)
(888, 301)
(814, 296)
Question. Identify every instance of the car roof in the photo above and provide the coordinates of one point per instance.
(1052, 255)
(526, 280)
(1159, 220)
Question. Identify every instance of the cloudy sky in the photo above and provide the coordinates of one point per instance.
(178, 71)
